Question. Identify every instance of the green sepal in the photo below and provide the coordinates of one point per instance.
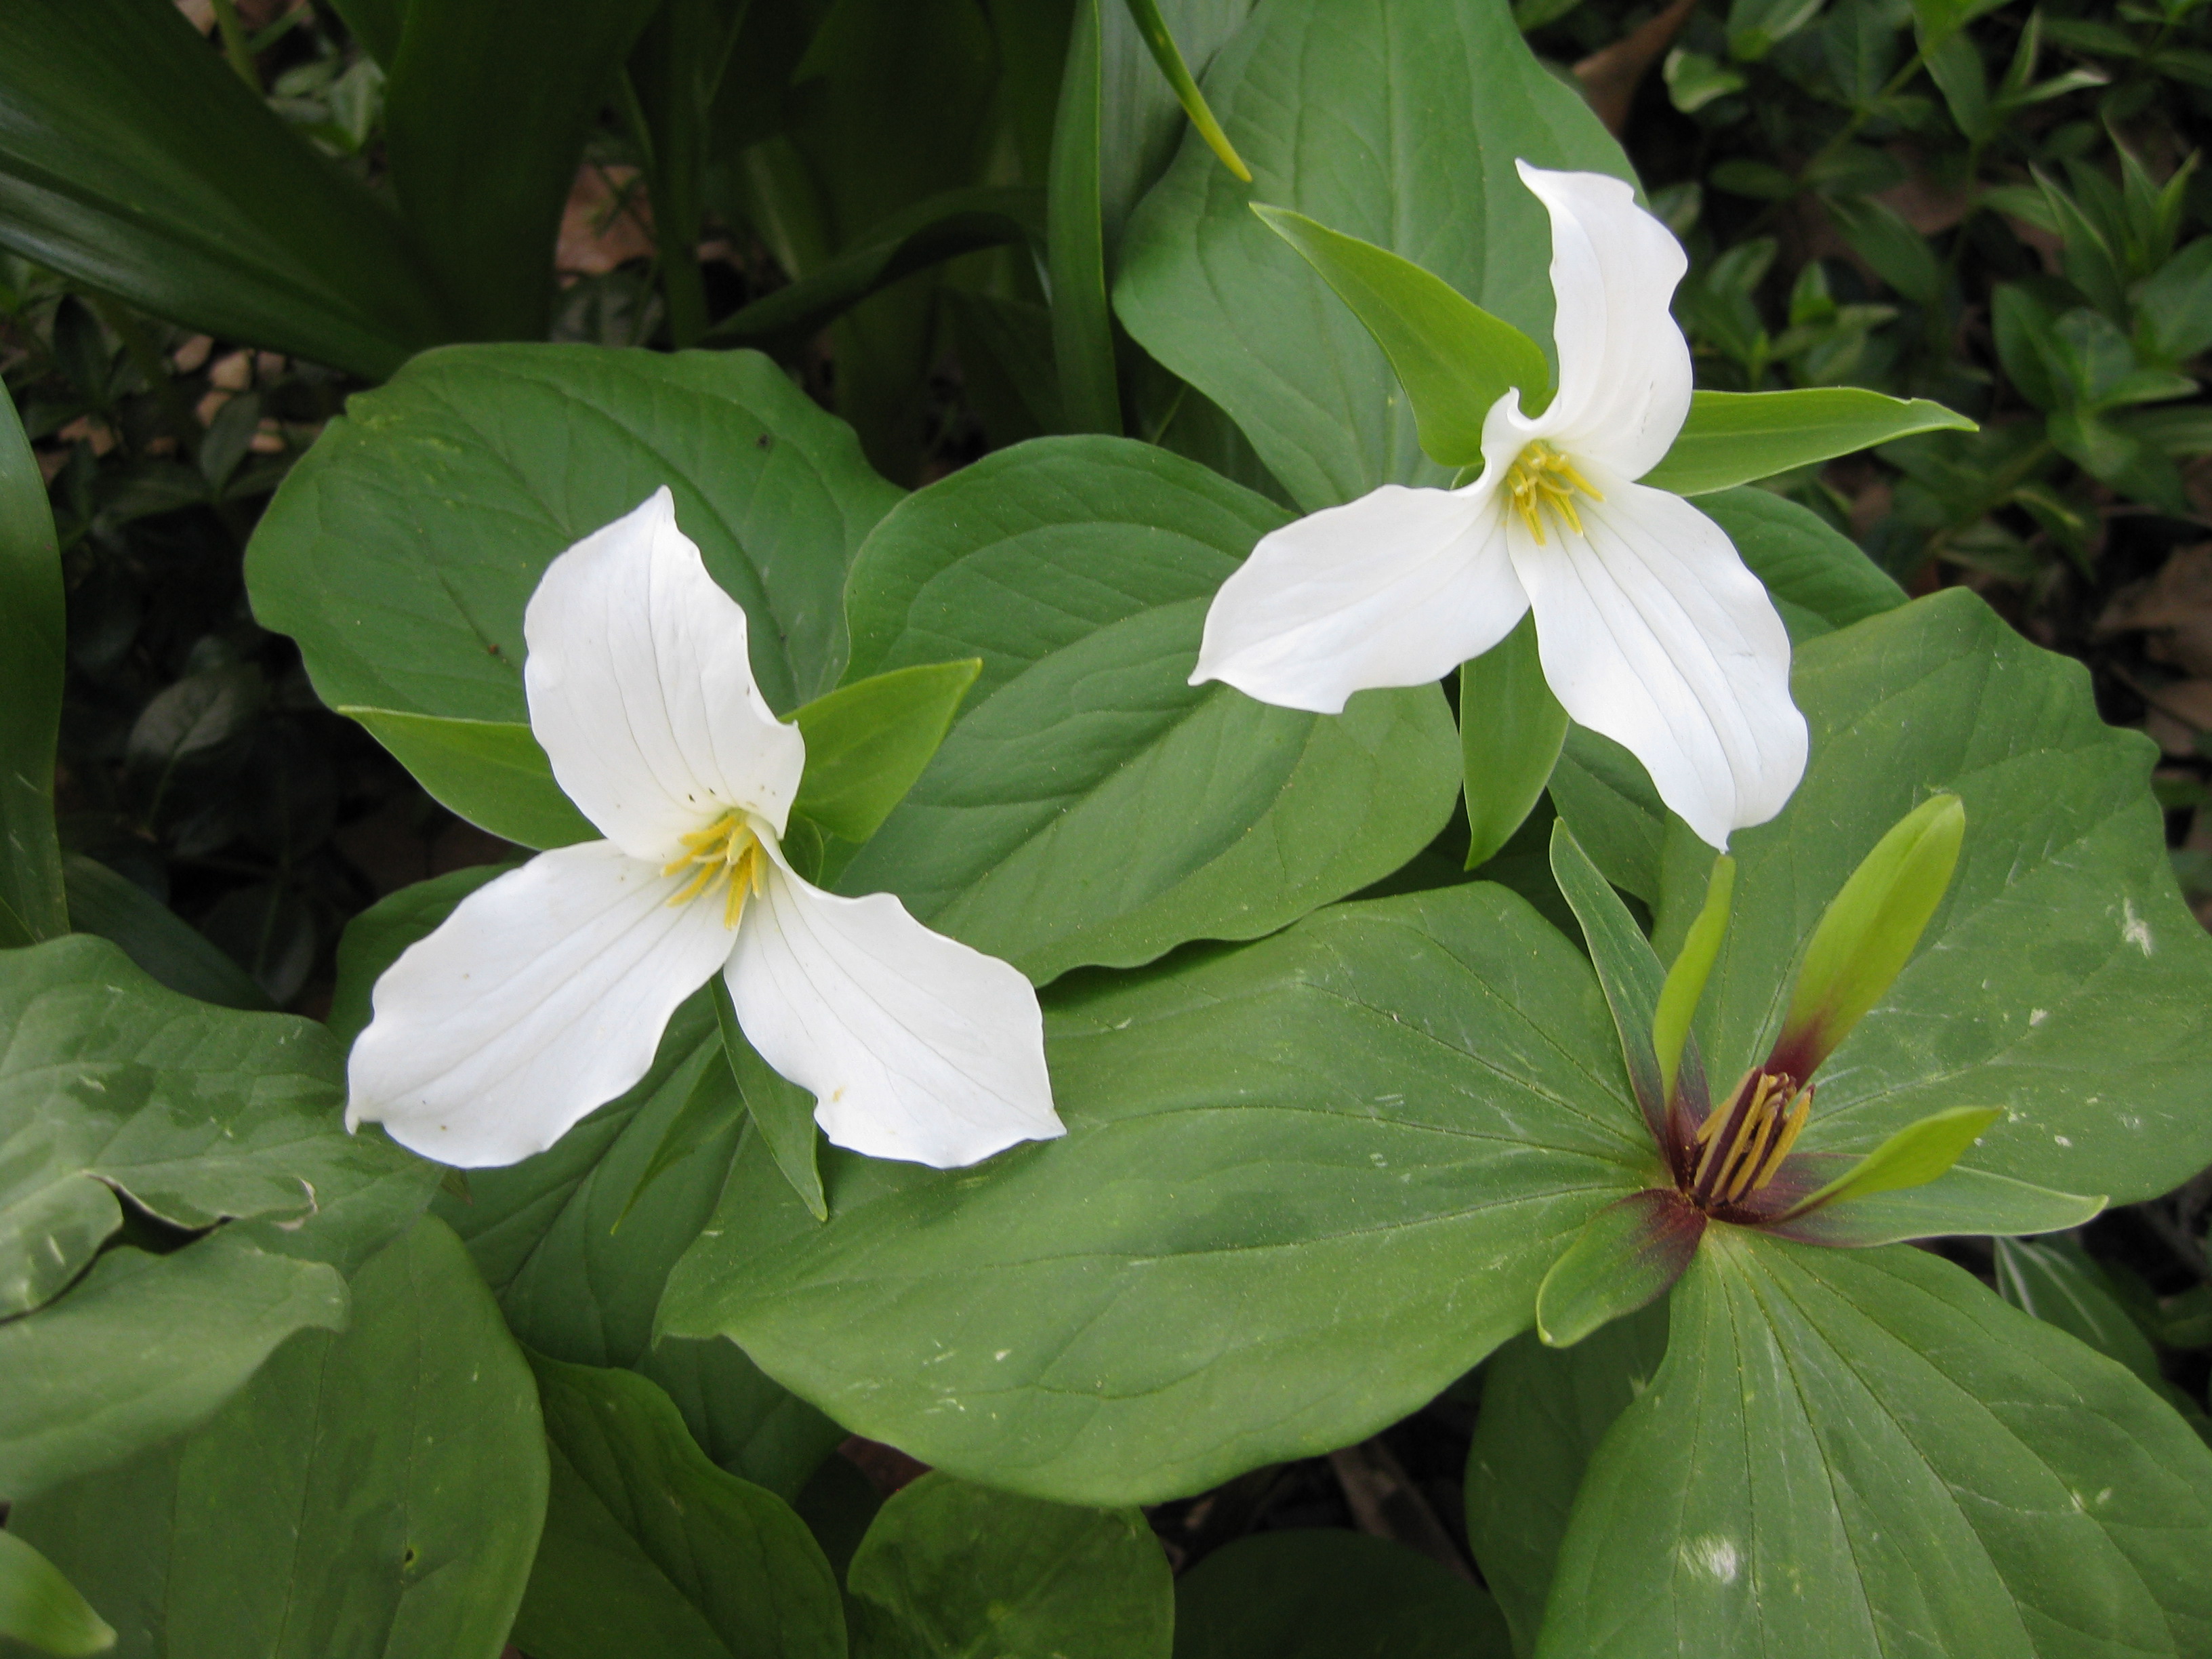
(1961, 1202)
(867, 742)
(1512, 730)
(1869, 930)
(1737, 437)
(781, 1110)
(1686, 980)
(1145, 15)
(42, 1609)
(1453, 358)
(1627, 967)
(493, 773)
(1626, 1256)
(1913, 1157)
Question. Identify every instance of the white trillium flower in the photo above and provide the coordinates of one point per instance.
(545, 993)
(1649, 628)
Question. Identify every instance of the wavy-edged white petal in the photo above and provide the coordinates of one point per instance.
(1624, 366)
(1652, 632)
(915, 1045)
(641, 693)
(1396, 588)
(542, 996)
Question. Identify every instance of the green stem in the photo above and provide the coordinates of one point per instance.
(681, 284)
(234, 47)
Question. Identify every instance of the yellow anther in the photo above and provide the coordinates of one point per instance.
(1539, 478)
(726, 850)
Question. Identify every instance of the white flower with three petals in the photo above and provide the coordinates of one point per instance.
(1649, 628)
(544, 994)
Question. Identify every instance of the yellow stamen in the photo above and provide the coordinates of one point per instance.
(1541, 477)
(726, 850)
(1798, 1113)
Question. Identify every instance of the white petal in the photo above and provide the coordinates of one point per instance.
(543, 995)
(1396, 588)
(915, 1045)
(1652, 632)
(641, 693)
(1624, 367)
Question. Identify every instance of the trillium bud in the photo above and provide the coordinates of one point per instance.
(1869, 933)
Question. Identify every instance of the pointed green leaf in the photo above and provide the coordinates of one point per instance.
(42, 1609)
(709, 1111)
(493, 773)
(867, 741)
(1686, 978)
(1082, 322)
(1627, 1257)
(948, 1568)
(1850, 1452)
(1735, 437)
(1146, 14)
(650, 1549)
(169, 949)
(1625, 966)
(1316, 1593)
(2057, 1282)
(32, 905)
(1453, 358)
(781, 1110)
(1913, 1157)
(1511, 732)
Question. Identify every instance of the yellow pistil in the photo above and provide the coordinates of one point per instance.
(726, 850)
(1541, 477)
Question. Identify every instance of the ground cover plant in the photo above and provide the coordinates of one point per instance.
(1036, 827)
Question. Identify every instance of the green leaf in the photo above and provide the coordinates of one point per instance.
(1335, 104)
(649, 1549)
(1082, 323)
(1511, 730)
(939, 228)
(490, 772)
(1734, 437)
(1819, 579)
(1627, 968)
(1544, 1410)
(483, 180)
(166, 947)
(32, 905)
(402, 548)
(141, 1348)
(1453, 359)
(1846, 1451)
(2061, 977)
(1091, 805)
(1146, 14)
(781, 1110)
(111, 1083)
(378, 1492)
(1960, 1202)
(1434, 1083)
(867, 741)
(1627, 1257)
(134, 161)
(42, 1609)
(2056, 1281)
(948, 1568)
(1141, 121)
(2173, 305)
(1913, 1157)
(1317, 1594)
(1900, 255)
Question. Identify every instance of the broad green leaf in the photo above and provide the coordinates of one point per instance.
(650, 1549)
(1147, 1307)
(1734, 437)
(42, 1609)
(490, 772)
(1916, 1155)
(948, 1568)
(1318, 1594)
(144, 1347)
(2056, 1281)
(1082, 322)
(1627, 1257)
(1857, 1453)
(32, 905)
(1337, 106)
(1962, 1201)
(111, 1083)
(2061, 978)
(939, 228)
(867, 742)
(1091, 805)
(483, 180)
(781, 1112)
(1511, 732)
(576, 1245)
(169, 949)
(402, 548)
(1544, 1411)
(374, 1494)
(133, 160)
(1453, 359)
(1146, 14)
